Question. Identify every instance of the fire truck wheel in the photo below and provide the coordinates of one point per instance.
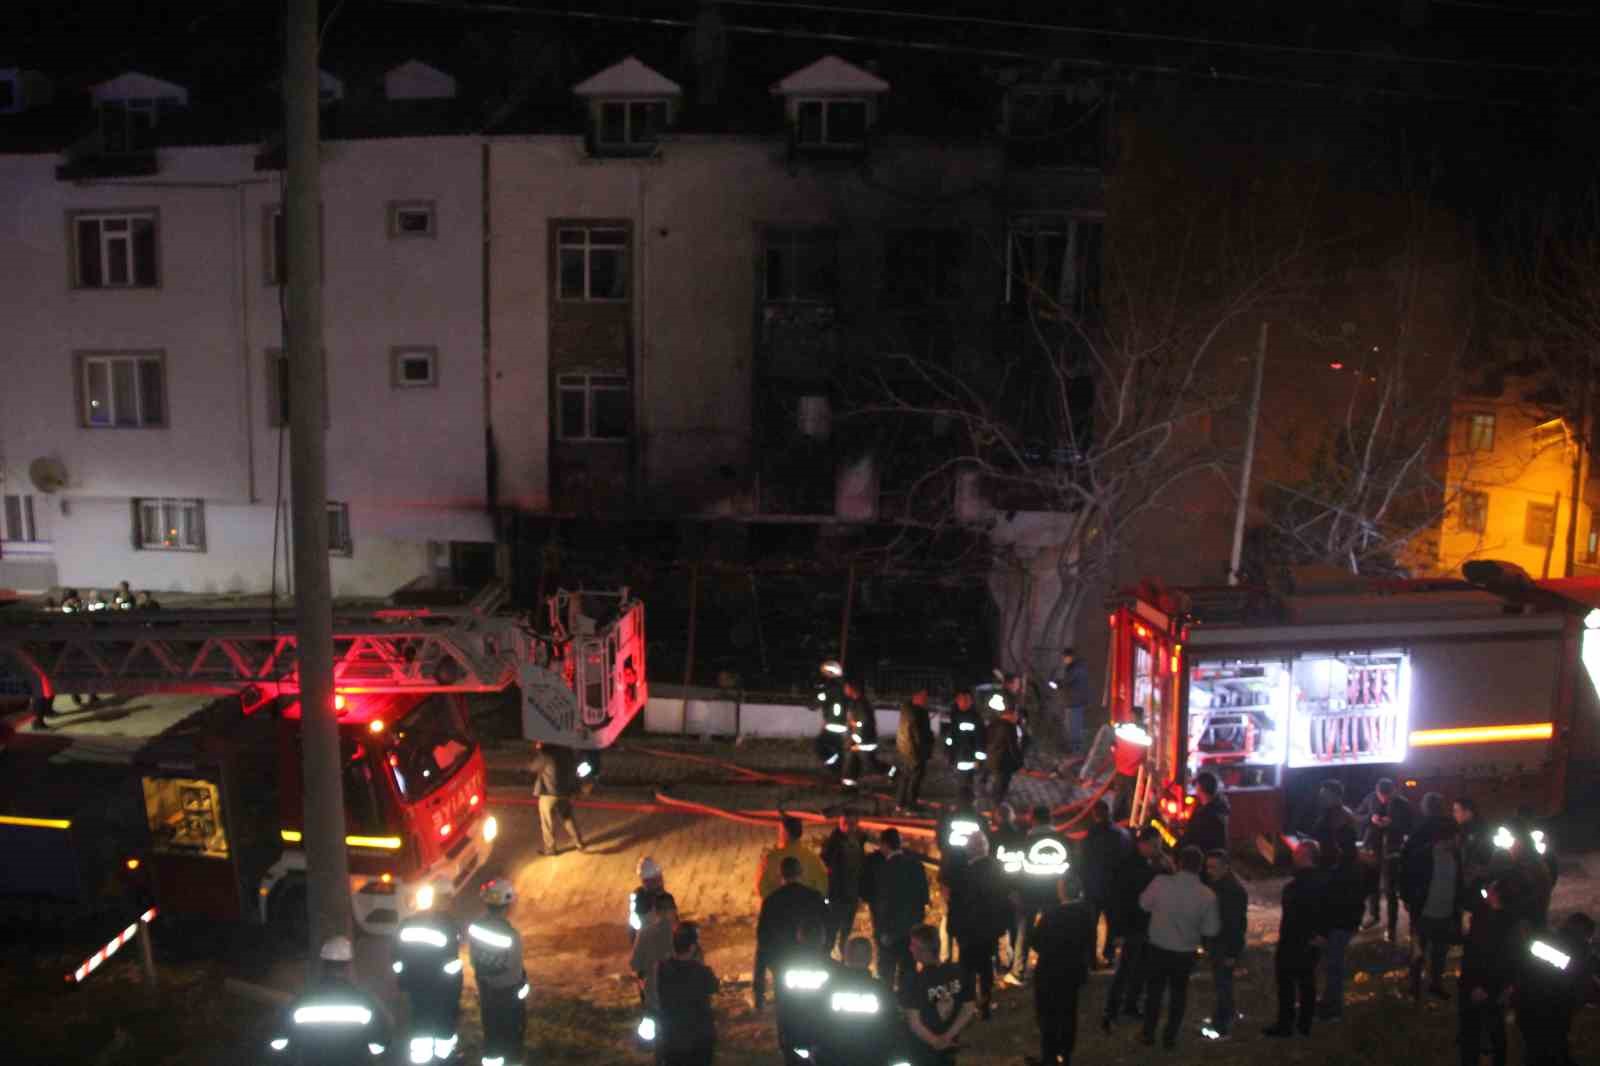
(286, 910)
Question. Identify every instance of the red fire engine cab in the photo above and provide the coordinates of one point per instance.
(1440, 685)
(183, 750)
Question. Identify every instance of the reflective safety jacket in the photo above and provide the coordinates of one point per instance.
(427, 955)
(1035, 865)
(333, 1023)
(861, 1022)
(496, 950)
(805, 978)
(963, 741)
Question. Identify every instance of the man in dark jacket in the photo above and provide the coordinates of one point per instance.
(1104, 847)
(1004, 747)
(899, 900)
(1488, 964)
(1476, 841)
(1555, 973)
(1433, 900)
(1129, 926)
(1335, 827)
(555, 780)
(783, 912)
(979, 910)
(686, 1032)
(1302, 930)
(1346, 902)
(1064, 939)
(1208, 820)
(1385, 820)
(1225, 949)
(844, 853)
(914, 743)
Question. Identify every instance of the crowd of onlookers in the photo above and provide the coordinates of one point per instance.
(1019, 897)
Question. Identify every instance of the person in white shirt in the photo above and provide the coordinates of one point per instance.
(1183, 913)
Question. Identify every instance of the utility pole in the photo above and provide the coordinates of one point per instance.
(1579, 462)
(1249, 460)
(327, 865)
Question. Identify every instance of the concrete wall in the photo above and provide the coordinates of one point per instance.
(699, 716)
(411, 463)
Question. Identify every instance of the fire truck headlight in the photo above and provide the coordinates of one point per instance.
(491, 829)
(1504, 838)
(647, 1029)
(424, 898)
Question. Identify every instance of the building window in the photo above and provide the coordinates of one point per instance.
(802, 266)
(1480, 432)
(275, 242)
(123, 391)
(16, 520)
(1053, 267)
(592, 407)
(411, 218)
(169, 525)
(631, 123)
(922, 266)
(130, 125)
(593, 263)
(277, 363)
(339, 529)
(831, 123)
(1591, 545)
(1473, 516)
(1539, 525)
(115, 251)
(414, 368)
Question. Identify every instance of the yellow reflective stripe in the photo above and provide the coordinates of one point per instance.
(36, 823)
(294, 836)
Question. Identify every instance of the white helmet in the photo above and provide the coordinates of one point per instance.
(337, 949)
(648, 868)
(498, 892)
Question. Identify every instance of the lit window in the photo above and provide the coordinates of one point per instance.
(169, 525)
(592, 407)
(115, 251)
(631, 123)
(801, 266)
(339, 542)
(593, 263)
(415, 368)
(412, 218)
(123, 391)
(838, 123)
(1473, 514)
(1480, 432)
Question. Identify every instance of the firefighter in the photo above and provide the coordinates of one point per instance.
(427, 966)
(333, 1023)
(642, 900)
(831, 700)
(863, 1025)
(963, 741)
(496, 949)
(860, 741)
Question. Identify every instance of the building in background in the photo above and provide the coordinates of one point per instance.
(143, 415)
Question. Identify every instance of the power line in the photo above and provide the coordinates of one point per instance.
(502, 8)
(1553, 12)
(1136, 35)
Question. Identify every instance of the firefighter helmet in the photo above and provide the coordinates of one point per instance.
(498, 892)
(648, 868)
(337, 949)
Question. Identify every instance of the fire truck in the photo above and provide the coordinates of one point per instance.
(163, 747)
(1483, 689)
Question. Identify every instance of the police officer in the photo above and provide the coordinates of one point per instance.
(496, 949)
(427, 966)
(805, 974)
(333, 1023)
(643, 900)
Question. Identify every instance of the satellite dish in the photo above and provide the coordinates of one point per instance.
(47, 475)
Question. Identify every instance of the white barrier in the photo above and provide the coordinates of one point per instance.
(721, 715)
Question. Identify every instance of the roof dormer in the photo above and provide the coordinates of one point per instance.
(415, 80)
(629, 106)
(22, 89)
(831, 105)
(131, 107)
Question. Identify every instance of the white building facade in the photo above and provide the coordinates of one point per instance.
(142, 397)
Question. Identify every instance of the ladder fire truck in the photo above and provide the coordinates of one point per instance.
(180, 762)
(1484, 688)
